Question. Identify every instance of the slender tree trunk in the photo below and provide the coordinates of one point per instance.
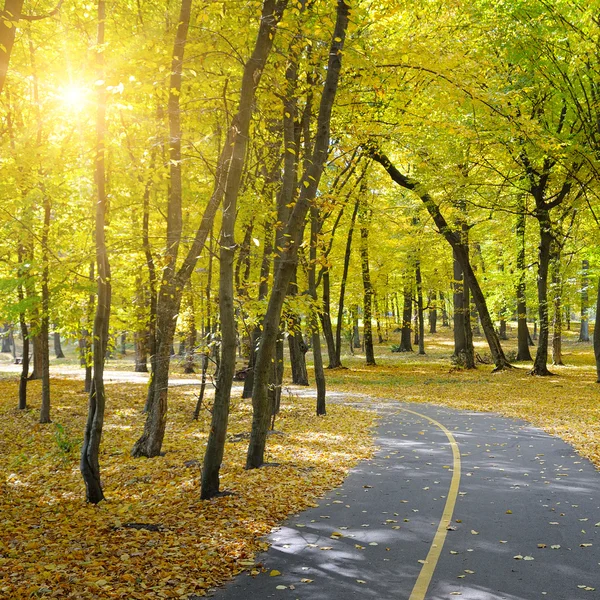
(140, 341)
(460, 342)
(445, 320)
(540, 364)
(45, 318)
(523, 352)
(355, 329)
(296, 343)
(271, 15)
(433, 313)
(597, 335)
(557, 306)
(405, 336)
(36, 372)
(192, 334)
(298, 350)
(420, 308)
(468, 354)
(25, 337)
(314, 316)
(5, 338)
(326, 323)
(58, 351)
(368, 292)
(584, 331)
(202, 386)
(340, 315)
(502, 334)
(294, 229)
(262, 294)
(90, 465)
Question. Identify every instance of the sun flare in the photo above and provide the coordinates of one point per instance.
(74, 96)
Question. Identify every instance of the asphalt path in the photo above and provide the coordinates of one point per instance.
(454, 504)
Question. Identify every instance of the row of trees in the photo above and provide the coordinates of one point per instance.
(172, 170)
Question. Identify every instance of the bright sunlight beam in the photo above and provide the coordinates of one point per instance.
(74, 96)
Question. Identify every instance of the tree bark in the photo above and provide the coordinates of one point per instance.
(9, 18)
(25, 337)
(271, 15)
(263, 290)
(89, 464)
(540, 364)
(368, 292)
(406, 334)
(557, 308)
(433, 313)
(420, 308)
(326, 322)
(584, 330)
(315, 230)
(597, 335)
(343, 281)
(45, 318)
(294, 229)
(523, 352)
(58, 351)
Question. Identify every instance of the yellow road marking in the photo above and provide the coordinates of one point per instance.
(433, 556)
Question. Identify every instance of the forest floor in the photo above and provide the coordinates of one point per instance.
(153, 537)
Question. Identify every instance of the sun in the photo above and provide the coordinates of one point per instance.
(74, 96)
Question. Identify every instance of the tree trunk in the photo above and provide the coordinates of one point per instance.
(597, 335)
(5, 338)
(265, 267)
(458, 284)
(523, 352)
(584, 331)
(271, 15)
(340, 315)
(433, 313)
(296, 343)
(326, 323)
(502, 330)
(540, 364)
(289, 254)
(298, 350)
(405, 336)
(25, 337)
(368, 293)
(58, 351)
(140, 339)
(45, 319)
(192, 335)
(9, 18)
(468, 354)
(89, 464)
(36, 372)
(355, 329)
(420, 310)
(557, 306)
(445, 320)
(315, 227)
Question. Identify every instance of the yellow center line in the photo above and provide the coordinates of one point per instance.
(433, 556)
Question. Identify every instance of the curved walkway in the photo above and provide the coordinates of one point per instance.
(454, 504)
